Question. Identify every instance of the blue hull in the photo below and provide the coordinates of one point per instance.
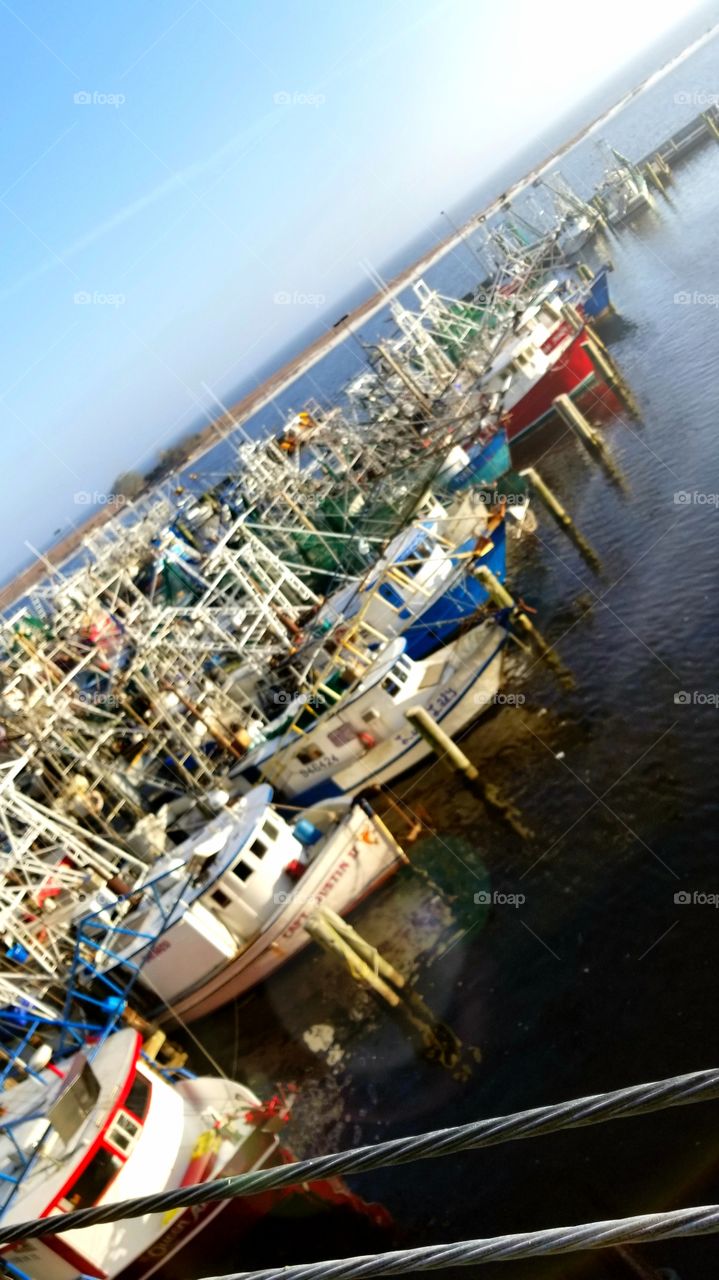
(596, 302)
(488, 463)
(443, 617)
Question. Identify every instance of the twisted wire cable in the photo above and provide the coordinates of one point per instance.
(642, 1229)
(698, 1086)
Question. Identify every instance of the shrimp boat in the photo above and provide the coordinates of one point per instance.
(103, 1124)
(351, 731)
(424, 587)
(623, 192)
(225, 909)
(546, 358)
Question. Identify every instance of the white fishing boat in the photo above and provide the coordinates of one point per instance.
(623, 191)
(104, 1125)
(575, 230)
(225, 909)
(351, 731)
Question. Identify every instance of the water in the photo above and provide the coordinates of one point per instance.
(600, 978)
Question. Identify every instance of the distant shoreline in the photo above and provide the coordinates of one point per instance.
(226, 423)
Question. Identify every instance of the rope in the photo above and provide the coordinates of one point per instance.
(698, 1086)
(643, 1229)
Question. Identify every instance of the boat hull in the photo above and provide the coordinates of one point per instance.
(596, 302)
(188, 1248)
(363, 857)
(571, 374)
(487, 463)
(475, 663)
(442, 619)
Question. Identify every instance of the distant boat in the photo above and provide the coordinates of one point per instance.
(624, 191)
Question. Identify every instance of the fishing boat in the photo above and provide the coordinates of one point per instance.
(351, 730)
(623, 192)
(226, 909)
(545, 358)
(103, 1124)
(424, 586)
(575, 230)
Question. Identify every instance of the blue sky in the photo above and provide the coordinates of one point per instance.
(170, 168)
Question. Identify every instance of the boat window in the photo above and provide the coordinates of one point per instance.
(258, 847)
(270, 831)
(221, 898)
(138, 1099)
(123, 1132)
(390, 596)
(399, 673)
(94, 1179)
(391, 686)
(242, 871)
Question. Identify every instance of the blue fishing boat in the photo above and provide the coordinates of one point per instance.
(593, 298)
(488, 462)
(424, 588)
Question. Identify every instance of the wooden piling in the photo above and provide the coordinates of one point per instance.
(440, 742)
(363, 948)
(608, 372)
(652, 176)
(562, 517)
(572, 316)
(711, 124)
(502, 598)
(365, 964)
(588, 437)
(330, 940)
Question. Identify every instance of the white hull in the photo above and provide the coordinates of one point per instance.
(355, 862)
(455, 686)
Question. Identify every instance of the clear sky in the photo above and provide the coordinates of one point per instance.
(169, 167)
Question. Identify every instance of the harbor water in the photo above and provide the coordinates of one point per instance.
(585, 956)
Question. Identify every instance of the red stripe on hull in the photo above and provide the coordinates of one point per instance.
(188, 1246)
(572, 368)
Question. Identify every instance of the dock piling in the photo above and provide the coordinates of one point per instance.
(441, 743)
(562, 517)
(588, 437)
(324, 933)
(367, 965)
(445, 748)
(499, 594)
(608, 372)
